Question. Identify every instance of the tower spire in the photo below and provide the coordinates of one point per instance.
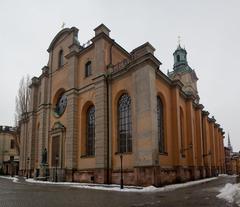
(183, 72)
(179, 40)
(229, 143)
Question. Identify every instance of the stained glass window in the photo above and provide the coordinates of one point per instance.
(61, 105)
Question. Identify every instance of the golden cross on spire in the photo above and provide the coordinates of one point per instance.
(63, 25)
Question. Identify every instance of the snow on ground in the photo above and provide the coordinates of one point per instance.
(14, 179)
(230, 193)
(113, 187)
(226, 175)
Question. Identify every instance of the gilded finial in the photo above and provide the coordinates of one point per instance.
(63, 25)
(179, 40)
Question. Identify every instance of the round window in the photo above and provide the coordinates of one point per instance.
(61, 105)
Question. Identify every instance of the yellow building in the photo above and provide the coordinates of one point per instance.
(9, 154)
(96, 101)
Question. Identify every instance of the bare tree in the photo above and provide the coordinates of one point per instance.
(22, 106)
(22, 99)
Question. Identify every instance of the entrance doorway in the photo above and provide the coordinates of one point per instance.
(55, 150)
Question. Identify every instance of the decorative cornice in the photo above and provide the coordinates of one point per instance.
(200, 106)
(205, 113)
(216, 125)
(177, 83)
(35, 82)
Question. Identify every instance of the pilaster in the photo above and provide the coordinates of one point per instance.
(145, 147)
(101, 127)
(176, 147)
(199, 137)
(72, 115)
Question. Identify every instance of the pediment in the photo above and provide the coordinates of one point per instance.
(61, 35)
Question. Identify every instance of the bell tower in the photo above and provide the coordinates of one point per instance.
(183, 72)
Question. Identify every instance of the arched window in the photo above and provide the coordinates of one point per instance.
(90, 138)
(60, 59)
(88, 69)
(124, 124)
(178, 58)
(160, 118)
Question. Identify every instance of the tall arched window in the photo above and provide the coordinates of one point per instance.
(90, 138)
(60, 59)
(124, 124)
(88, 69)
(160, 118)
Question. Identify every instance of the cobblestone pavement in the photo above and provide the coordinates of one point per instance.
(24, 194)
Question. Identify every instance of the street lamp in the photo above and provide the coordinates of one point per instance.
(27, 166)
(121, 159)
(56, 160)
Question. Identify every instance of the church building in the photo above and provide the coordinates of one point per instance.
(96, 102)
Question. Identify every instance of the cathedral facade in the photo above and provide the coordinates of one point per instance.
(97, 102)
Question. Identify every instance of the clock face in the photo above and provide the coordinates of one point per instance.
(61, 105)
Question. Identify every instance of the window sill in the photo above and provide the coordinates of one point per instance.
(61, 67)
(87, 156)
(86, 77)
(163, 153)
(123, 153)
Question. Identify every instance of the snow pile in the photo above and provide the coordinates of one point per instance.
(187, 184)
(223, 175)
(231, 193)
(14, 179)
(114, 187)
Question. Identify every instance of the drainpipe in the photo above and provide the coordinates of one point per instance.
(108, 113)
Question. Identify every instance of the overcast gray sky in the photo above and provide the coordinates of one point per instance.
(210, 31)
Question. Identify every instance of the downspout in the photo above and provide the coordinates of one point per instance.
(49, 112)
(108, 114)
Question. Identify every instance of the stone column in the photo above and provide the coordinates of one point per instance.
(31, 128)
(44, 113)
(176, 125)
(199, 140)
(71, 145)
(145, 140)
(191, 139)
(216, 140)
(206, 143)
(212, 146)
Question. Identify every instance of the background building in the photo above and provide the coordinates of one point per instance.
(9, 154)
(96, 101)
(228, 160)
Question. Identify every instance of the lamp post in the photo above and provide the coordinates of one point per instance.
(27, 166)
(121, 159)
(56, 160)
